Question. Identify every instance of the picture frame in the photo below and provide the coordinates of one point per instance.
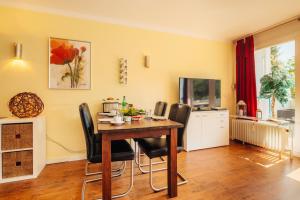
(69, 64)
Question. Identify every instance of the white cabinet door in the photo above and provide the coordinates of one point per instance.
(215, 129)
(210, 129)
(206, 130)
(194, 131)
(223, 132)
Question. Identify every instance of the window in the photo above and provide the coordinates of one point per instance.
(282, 55)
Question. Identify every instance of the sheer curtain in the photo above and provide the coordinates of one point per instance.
(263, 66)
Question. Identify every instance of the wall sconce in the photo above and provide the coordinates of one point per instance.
(147, 61)
(18, 51)
(123, 71)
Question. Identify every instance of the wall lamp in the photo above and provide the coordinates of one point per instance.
(18, 51)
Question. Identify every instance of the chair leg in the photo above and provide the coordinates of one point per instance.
(137, 155)
(130, 186)
(99, 179)
(120, 170)
(84, 186)
(147, 171)
(155, 189)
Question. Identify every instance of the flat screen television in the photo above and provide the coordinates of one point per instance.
(200, 92)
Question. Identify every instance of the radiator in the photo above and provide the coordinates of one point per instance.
(264, 134)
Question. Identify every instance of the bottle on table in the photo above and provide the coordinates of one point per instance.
(124, 103)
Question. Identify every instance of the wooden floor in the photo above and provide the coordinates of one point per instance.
(233, 172)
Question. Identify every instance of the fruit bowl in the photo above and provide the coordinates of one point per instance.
(136, 117)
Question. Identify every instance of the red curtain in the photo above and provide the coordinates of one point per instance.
(245, 74)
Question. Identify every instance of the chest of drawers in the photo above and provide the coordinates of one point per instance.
(22, 148)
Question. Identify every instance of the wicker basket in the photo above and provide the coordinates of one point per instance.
(25, 105)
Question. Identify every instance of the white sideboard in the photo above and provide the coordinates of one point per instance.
(207, 129)
(22, 148)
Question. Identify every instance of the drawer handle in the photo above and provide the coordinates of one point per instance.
(18, 163)
(18, 136)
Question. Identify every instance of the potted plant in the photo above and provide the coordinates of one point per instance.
(133, 113)
(276, 86)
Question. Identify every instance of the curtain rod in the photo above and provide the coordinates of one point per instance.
(297, 18)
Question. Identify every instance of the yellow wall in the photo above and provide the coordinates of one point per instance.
(171, 56)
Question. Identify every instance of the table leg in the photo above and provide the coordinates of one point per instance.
(172, 162)
(106, 163)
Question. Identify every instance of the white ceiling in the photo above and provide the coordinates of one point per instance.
(209, 19)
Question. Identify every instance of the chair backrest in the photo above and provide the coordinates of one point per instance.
(173, 112)
(160, 108)
(180, 113)
(88, 128)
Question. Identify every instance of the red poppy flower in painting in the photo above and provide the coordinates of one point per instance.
(64, 53)
(83, 49)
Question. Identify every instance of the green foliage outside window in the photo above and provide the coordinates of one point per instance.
(279, 84)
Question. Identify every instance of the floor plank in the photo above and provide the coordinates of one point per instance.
(236, 172)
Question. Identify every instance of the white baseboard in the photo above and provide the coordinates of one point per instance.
(66, 159)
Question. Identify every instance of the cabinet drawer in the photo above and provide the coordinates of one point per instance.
(16, 136)
(17, 164)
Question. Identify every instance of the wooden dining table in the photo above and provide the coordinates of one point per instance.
(139, 129)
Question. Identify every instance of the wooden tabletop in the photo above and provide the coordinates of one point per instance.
(139, 126)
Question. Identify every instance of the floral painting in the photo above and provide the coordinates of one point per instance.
(69, 64)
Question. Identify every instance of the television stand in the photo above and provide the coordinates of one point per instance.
(207, 129)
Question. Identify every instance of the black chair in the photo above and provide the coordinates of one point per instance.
(120, 150)
(159, 110)
(157, 147)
